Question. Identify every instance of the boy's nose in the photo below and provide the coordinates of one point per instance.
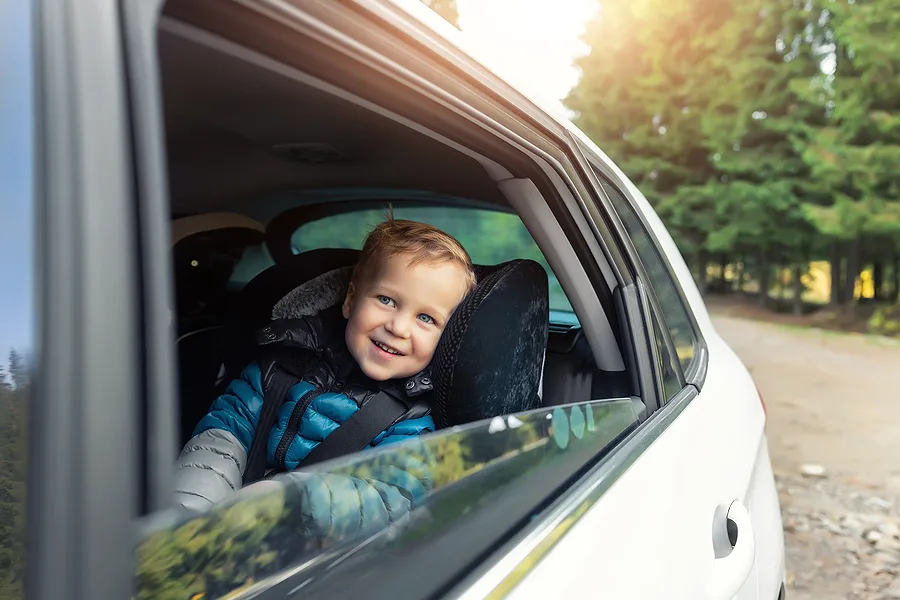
(399, 326)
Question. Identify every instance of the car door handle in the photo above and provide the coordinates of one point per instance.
(734, 547)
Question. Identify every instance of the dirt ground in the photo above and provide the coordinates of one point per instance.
(833, 400)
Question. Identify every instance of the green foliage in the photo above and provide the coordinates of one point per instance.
(885, 321)
(14, 395)
(755, 127)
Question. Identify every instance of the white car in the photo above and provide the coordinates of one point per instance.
(197, 160)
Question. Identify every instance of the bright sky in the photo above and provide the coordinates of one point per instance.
(531, 43)
(16, 210)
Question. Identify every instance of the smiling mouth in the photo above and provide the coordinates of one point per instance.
(387, 348)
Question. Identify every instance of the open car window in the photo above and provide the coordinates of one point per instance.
(469, 487)
(490, 237)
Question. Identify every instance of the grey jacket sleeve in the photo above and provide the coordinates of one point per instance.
(212, 463)
(209, 469)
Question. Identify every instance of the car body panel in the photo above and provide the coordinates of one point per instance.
(650, 536)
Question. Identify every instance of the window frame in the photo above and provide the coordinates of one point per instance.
(695, 373)
(83, 486)
(657, 315)
(531, 141)
(667, 274)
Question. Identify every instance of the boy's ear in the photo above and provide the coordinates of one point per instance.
(348, 302)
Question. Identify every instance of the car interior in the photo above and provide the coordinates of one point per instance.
(274, 177)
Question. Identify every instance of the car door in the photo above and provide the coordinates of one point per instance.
(661, 529)
(751, 450)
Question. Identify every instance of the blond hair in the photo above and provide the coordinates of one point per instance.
(426, 244)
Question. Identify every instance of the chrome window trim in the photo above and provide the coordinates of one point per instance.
(498, 577)
(696, 371)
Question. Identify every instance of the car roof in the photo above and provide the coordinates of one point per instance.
(440, 26)
(453, 36)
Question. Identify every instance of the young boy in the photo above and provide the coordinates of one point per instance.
(409, 279)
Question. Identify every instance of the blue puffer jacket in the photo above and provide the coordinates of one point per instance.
(332, 388)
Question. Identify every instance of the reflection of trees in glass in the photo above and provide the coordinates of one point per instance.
(490, 237)
(14, 390)
(254, 536)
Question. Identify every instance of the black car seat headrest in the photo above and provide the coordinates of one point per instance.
(205, 250)
(490, 357)
(253, 306)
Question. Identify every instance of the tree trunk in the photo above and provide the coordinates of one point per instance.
(853, 268)
(763, 278)
(799, 269)
(723, 264)
(739, 276)
(782, 286)
(897, 277)
(878, 280)
(701, 271)
(836, 274)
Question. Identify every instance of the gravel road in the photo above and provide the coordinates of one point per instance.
(833, 401)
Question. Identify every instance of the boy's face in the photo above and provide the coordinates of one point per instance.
(396, 313)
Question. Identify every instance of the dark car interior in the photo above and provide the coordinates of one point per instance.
(253, 155)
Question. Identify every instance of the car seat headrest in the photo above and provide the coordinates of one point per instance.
(490, 356)
(206, 248)
(317, 294)
(183, 227)
(254, 304)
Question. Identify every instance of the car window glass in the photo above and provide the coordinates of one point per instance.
(674, 312)
(254, 261)
(667, 363)
(321, 529)
(490, 237)
(17, 301)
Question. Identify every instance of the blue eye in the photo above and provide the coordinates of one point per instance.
(426, 319)
(387, 301)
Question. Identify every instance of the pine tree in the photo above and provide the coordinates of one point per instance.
(639, 98)
(18, 370)
(765, 181)
(856, 151)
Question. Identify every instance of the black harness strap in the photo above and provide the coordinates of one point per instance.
(380, 412)
(275, 394)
